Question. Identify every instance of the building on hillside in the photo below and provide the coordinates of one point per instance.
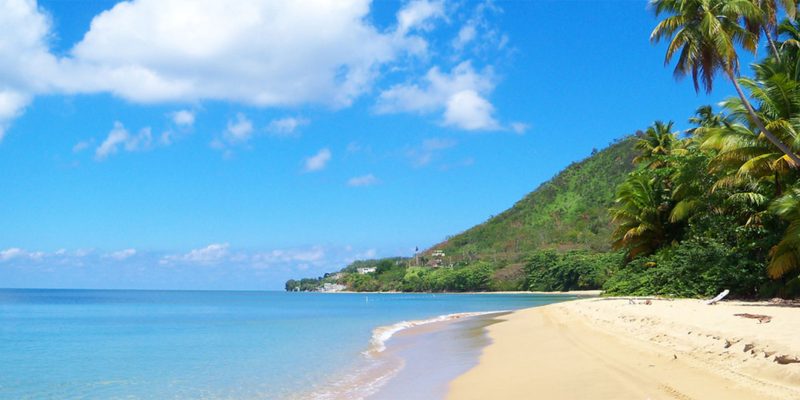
(437, 259)
(366, 270)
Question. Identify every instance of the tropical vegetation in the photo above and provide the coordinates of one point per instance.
(667, 211)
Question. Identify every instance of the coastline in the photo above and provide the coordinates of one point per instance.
(610, 348)
(424, 354)
(580, 293)
(418, 358)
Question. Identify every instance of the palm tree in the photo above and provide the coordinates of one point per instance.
(655, 143)
(744, 156)
(704, 117)
(704, 34)
(790, 48)
(768, 23)
(640, 216)
(784, 256)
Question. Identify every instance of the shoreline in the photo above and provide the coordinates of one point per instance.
(383, 370)
(418, 355)
(580, 293)
(609, 348)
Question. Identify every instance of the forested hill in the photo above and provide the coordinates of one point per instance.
(567, 212)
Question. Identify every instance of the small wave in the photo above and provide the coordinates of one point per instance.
(382, 334)
(367, 379)
(359, 384)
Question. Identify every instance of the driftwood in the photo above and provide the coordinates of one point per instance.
(718, 298)
(762, 319)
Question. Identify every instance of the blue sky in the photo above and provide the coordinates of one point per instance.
(214, 145)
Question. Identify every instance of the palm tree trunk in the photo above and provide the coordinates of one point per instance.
(756, 120)
(772, 45)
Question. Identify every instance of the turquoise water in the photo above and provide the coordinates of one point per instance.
(97, 344)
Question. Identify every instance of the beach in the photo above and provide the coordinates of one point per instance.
(604, 348)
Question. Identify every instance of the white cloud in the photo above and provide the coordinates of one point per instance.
(239, 130)
(10, 253)
(466, 35)
(459, 94)
(211, 254)
(286, 127)
(11, 105)
(119, 137)
(191, 50)
(318, 161)
(16, 253)
(155, 51)
(220, 253)
(364, 180)
(25, 61)
(183, 118)
(419, 14)
(468, 110)
(122, 254)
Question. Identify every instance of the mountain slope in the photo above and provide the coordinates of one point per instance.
(567, 212)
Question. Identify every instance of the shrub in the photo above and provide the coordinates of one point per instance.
(549, 270)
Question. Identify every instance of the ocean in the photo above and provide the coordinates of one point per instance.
(132, 344)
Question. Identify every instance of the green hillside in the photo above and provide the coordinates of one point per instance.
(556, 238)
(568, 212)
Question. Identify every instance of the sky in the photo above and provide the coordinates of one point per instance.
(199, 144)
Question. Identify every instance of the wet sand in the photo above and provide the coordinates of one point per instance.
(433, 355)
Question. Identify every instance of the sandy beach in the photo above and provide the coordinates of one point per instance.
(611, 349)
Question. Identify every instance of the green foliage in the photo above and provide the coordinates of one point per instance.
(568, 212)
(574, 270)
(303, 285)
(471, 278)
(694, 268)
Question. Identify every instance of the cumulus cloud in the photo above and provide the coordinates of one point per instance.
(364, 180)
(183, 118)
(459, 94)
(119, 137)
(189, 50)
(155, 51)
(26, 64)
(318, 161)
(286, 127)
(468, 110)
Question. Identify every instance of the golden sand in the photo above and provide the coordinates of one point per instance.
(612, 349)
